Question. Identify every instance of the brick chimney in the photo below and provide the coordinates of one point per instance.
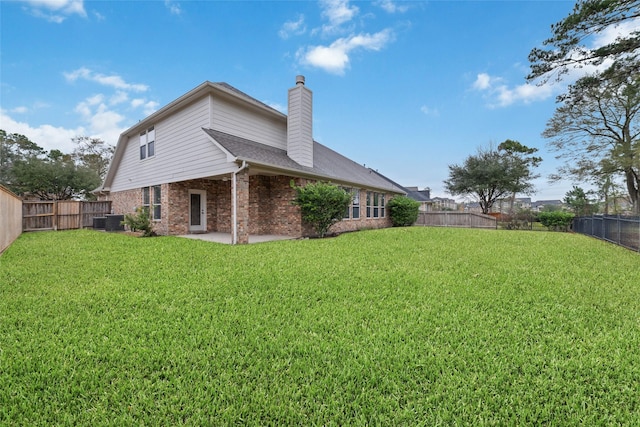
(299, 124)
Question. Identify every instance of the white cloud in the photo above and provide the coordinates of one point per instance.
(46, 136)
(483, 81)
(296, 27)
(101, 115)
(19, 110)
(525, 93)
(135, 103)
(173, 6)
(392, 6)
(501, 95)
(335, 57)
(113, 81)
(610, 34)
(119, 97)
(150, 107)
(56, 10)
(338, 13)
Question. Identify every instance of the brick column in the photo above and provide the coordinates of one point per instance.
(242, 207)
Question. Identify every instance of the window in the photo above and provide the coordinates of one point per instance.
(375, 205)
(148, 143)
(155, 208)
(145, 197)
(353, 210)
(355, 204)
(157, 200)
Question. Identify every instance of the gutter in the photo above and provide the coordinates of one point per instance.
(234, 204)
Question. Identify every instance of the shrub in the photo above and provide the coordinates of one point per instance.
(403, 211)
(556, 221)
(140, 221)
(322, 204)
(521, 220)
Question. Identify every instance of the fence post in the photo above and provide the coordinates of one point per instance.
(54, 220)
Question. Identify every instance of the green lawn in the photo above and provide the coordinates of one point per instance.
(414, 326)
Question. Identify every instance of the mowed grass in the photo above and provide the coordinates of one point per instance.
(411, 326)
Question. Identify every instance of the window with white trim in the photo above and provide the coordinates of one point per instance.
(152, 201)
(146, 198)
(375, 205)
(355, 203)
(148, 143)
(353, 209)
(157, 203)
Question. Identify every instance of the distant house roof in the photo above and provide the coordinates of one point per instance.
(328, 164)
(411, 192)
(547, 203)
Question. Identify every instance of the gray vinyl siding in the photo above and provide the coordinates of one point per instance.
(299, 132)
(182, 152)
(233, 119)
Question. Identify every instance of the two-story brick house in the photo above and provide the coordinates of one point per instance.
(218, 160)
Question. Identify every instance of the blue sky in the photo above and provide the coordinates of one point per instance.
(406, 88)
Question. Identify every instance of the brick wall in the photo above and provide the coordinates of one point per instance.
(270, 208)
(264, 207)
(178, 201)
(124, 202)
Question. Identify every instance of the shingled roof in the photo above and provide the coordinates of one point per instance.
(327, 164)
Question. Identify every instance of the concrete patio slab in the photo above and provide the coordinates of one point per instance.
(226, 237)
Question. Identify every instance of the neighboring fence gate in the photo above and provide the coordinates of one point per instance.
(621, 230)
(456, 219)
(61, 214)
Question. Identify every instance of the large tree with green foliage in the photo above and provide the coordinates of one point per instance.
(522, 157)
(581, 202)
(596, 129)
(14, 147)
(54, 177)
(26, 169)
(567, 47)
(491, 174)
(93, 153)
(322, 204)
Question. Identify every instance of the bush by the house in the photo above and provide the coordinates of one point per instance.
(140, 221)
(403, 211)
(556, 221)
(322, 204)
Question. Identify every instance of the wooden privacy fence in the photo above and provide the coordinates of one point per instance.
(456, 219)
(10, 217)
(61, 214)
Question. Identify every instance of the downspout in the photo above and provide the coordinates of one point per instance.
(234, 204)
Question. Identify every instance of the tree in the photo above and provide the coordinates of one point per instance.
(55, 177)
(27, 169)
(596, 129)
(403, 211)
(579, 202)
(13, 148)
(93, 153)
(566, 47)
(491, 174)
(522, 158)
(322, 204)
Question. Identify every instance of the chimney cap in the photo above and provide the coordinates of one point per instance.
(299, 80)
